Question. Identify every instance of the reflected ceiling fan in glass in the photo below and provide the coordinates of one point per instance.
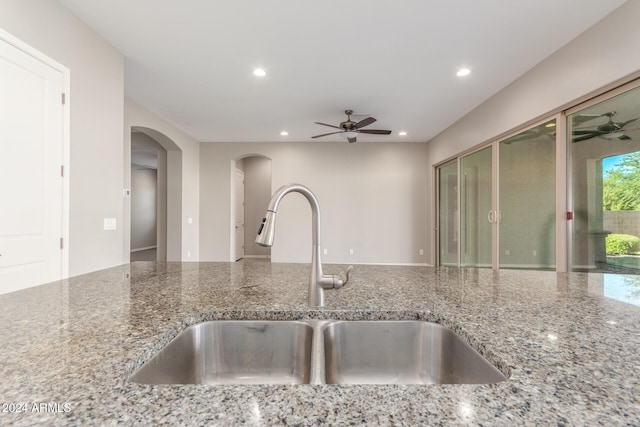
(609, 130)
(545, 130)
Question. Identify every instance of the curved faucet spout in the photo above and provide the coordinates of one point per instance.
(318, 281)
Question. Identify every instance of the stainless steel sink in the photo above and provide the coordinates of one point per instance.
(401, 352)
(233, 352)
(317, 352)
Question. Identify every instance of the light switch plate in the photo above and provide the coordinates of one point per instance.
(109, 223)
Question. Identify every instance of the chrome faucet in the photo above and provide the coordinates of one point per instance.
(318, 281)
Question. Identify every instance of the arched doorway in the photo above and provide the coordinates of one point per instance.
(250, 195)
(156, 204)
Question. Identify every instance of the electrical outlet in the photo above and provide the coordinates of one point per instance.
(109, 223)
(507, 252)
(535, 253)
(421, 251)
(350, 251)
(325, 251)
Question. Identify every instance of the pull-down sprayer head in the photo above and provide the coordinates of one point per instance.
(267, 230)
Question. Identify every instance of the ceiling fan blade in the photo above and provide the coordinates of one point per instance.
(351, 139)
(623, 124)
(587, 132)
(326, 134)
(364, 122)
(526, 135)
(375, 131)
(585, 137)
(582, 118)
(624, 138)
(324, 124)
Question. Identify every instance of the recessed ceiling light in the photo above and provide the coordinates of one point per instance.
(463, 72)
(403, 133)
(550, 125)
(259, 72)
(284, 133)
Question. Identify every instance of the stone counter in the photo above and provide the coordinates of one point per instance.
(572, 354)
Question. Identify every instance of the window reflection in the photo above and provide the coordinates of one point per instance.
(605, 160)
(527, 203)
(622, 288)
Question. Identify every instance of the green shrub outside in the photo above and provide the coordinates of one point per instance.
(619, 244)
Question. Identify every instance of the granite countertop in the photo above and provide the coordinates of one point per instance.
(571, 353)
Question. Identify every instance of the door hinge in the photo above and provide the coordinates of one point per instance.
(64, 98)
(62, 243)
(62, 170)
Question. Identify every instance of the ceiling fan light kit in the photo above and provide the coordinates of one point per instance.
(350, 129)
(349, 136)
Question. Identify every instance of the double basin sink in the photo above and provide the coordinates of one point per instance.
(317, 352)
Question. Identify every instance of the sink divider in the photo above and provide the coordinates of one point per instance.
(317, 352)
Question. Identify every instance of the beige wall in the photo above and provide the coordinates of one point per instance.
(96, 101)
(371, 194)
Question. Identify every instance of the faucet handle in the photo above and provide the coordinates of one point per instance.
(341, 282)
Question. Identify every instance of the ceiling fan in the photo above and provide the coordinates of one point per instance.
(350, 129)
(609, 130)
(547, 130)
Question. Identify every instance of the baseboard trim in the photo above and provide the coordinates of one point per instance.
(144, 249)
(528, 266)
(390, 264)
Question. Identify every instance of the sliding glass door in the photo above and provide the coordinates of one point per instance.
(604, 152)
(476, 212)
(527, 199)
(448, 214)
(563, 194)
(507, 204)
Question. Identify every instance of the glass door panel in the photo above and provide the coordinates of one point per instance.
(527, 199)
(604, 153)
(448, 232)
(476, 214)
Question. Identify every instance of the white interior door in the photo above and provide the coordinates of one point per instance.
(31, 156)
(239, 222)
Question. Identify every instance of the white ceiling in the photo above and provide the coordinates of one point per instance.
(191, 62)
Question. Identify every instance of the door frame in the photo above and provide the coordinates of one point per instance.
(66, 132)
(236, 186)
